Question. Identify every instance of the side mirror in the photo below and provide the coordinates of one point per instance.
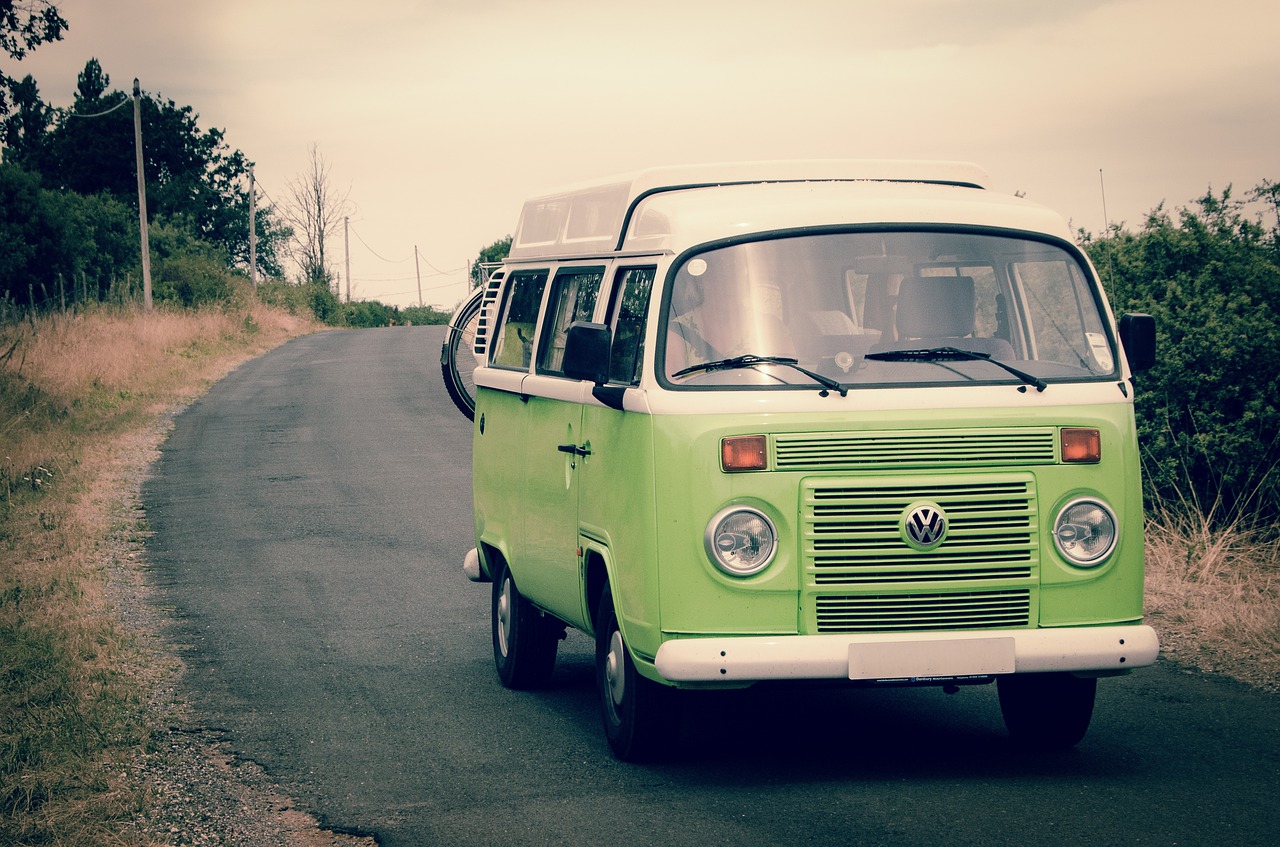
(586, 352)
(1138, 336)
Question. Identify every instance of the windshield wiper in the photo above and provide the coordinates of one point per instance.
(943, 354)
(750, 360)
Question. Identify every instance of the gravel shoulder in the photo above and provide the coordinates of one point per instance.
(196, 792)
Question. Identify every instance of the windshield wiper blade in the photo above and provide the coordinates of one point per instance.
(940, 354)
(751, 360)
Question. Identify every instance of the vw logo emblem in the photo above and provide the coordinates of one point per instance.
(924, 525)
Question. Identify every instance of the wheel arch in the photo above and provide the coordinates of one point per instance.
(595, 578)
(491, 558)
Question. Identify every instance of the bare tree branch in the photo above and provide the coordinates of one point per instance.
(314, 209)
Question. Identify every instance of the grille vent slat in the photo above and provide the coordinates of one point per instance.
(923, 611)
(952, 448)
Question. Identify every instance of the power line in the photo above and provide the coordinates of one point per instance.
(99, 114)
(376, 253)
(424, 259)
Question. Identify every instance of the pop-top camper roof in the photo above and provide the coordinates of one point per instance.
(592, 218)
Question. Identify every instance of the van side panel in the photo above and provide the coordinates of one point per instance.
(498, 469)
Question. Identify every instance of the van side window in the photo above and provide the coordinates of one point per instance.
(572, 299)
(513, 342)
(626, 315)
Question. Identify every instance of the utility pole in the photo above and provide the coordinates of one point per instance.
(346, 245)
(142, 197)
(253, 232)
(418, 273)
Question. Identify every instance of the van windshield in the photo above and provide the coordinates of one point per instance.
(898, 308)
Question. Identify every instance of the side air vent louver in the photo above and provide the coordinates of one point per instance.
(488, 312)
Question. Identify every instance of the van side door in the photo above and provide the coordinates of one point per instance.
(548, 571)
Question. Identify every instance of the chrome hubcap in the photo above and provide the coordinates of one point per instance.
(504, 615)
(614, 669)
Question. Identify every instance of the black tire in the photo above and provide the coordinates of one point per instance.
(524, 639)
(457, 361)
(641, 717)
(1046, 712)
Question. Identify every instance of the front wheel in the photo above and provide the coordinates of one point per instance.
(1047, 711)
(641, 717)
(524, 640)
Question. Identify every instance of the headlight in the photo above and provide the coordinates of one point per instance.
(740, 541)
(1085, 532)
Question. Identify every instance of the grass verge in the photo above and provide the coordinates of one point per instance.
(1213, 594)
(74, 391)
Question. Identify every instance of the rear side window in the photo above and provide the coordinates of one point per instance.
(572, 299)
(627, 315)
(513, 341)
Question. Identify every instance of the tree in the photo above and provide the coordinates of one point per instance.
(71, 184)
(313, 212)
(24, 132)
(24, 26)
(1209, 412)
(59, 245)
(192, 174)
(495, 252)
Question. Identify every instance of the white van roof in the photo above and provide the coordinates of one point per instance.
(592, 218)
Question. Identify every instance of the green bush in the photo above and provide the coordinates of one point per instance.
(369, 313)
(1209, 412)
(423, 316)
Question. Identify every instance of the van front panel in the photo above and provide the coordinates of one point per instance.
(838, 491)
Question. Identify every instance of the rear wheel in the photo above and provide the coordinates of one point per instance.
(457, 357)
(641, 717)
(524, 640)
(1047, 711)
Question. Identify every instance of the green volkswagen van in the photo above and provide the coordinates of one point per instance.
(858, 421)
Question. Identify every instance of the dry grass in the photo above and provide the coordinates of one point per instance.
(75, 392)
(1213, 593)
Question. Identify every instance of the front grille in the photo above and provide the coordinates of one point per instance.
(980, 576)
(914, 612)
(964, 448)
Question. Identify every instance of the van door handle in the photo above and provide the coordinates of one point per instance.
(574, 449)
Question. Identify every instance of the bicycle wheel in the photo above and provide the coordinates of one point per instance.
(457, 354)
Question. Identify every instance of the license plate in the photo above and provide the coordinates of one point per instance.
(927, 658)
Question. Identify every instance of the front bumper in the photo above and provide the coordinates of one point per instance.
(907, 656)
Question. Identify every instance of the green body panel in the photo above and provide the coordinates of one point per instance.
(645, 493)
(618, 513)
(546, 566)
(498, 473)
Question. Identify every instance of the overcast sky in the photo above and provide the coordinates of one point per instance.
(441, 116)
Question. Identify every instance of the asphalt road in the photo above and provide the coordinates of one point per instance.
(310, 518)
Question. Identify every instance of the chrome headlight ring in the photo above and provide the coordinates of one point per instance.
(1085, 532)
(740, 541)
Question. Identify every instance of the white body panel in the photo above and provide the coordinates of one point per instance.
(912, 655)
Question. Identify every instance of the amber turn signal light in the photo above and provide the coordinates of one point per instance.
(744, 453)
(1082, 446)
